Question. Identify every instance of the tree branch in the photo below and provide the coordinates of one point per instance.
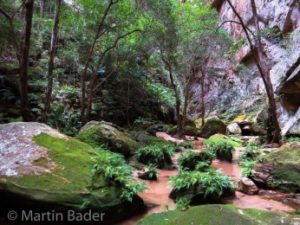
(233, 21)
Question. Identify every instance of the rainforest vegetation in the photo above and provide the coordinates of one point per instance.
(150, 111)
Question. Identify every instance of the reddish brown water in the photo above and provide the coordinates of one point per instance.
(156, 196)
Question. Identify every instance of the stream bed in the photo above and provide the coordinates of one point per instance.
(156, 196)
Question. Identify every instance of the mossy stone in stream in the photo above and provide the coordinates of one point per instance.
(218, 215)
(211, 127)
(285, 171)
(103, 133)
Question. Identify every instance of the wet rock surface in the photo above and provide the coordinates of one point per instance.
(247, 186)
(45, 170)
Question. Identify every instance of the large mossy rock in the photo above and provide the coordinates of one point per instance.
(219, 215)
(97, 133)
(211, 127)
(45, 170)
(280, 169)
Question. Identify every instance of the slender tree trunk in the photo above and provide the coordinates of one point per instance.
(42, 8)
(264, 71)
(180, 131)
(24, 54)
(180, 128)
(12, 28)
(262, 58)
(54, 39)
(93, 79)
(202, 98)
(89, 59)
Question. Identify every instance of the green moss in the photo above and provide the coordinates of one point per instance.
(216, 215)
(286, 175)
(221, 146)
(211, 127)
(41, 162)
(71, 181)
(102, 133)
(220, 138)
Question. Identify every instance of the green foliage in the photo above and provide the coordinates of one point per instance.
(210, 183)
(158, 154)
(190, 159)
(249, 158)
(152, 171)
(292, 139)
(183, 203)
(115, 169)
(221, 146)
(202, 166)
(252, 151)
(159, 91)
(236, 46)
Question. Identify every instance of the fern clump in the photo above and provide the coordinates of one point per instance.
(190, 159)
(200, 186)
(249, 158)
(150, 174)
(158, 154)
(221, 146)
(114, 168)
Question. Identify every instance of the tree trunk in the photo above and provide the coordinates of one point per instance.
(42, 8)
(25, 46)
(262, 59)
(264, 71)
(89, 58)
(54, 39)
(202, 98)
(177, 97)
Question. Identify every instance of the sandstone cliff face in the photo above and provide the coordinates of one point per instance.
(236, 87)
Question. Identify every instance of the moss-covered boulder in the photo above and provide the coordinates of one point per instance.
(44, 169)
(211, 127)
(280, 169)
(103, 133)
(219, 215)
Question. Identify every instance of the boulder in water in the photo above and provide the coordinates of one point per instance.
(211, 127)
(247, 186)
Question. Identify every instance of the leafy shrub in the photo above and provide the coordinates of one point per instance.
(249, 157)
(190, 159)
(115, 169)
(252, 151)
(247, 166)
(152, 171)
(158, 154)
(202, 166)
(150, 174)
(221, 146)
(210, 185)
(183, 203)
(293, 139)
